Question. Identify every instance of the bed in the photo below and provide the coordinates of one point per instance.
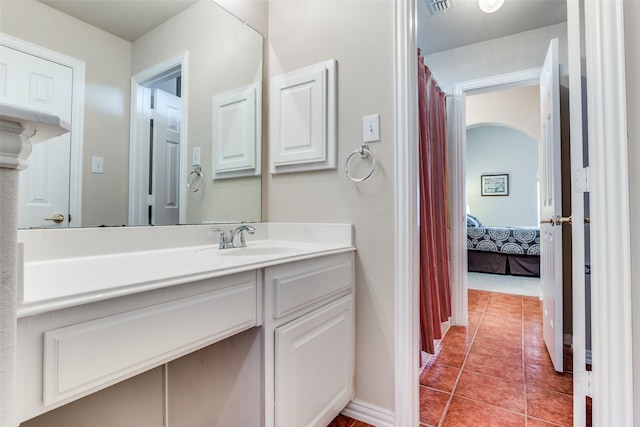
(503, 250)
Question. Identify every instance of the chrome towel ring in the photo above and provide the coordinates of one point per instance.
(195, 180)
(364, 154)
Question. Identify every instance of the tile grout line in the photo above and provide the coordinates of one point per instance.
(464, 361)
(524, 364)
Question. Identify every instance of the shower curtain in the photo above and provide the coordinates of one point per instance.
(435, 289)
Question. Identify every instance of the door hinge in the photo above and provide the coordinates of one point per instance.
(582, 382)
(150, 200)
(581, 180)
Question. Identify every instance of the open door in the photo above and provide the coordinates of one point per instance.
(166, 159)
(551, 207)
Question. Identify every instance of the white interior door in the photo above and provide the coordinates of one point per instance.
(32, 82)
(551, 207)
(166, 158)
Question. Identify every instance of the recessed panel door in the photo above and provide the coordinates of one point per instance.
(32, 82)
(551, 207)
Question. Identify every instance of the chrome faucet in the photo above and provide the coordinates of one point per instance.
(227, 242)
(240, 229)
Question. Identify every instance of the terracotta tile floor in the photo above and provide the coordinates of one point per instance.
(496, 372)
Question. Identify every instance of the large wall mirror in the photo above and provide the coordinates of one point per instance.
(141, 82)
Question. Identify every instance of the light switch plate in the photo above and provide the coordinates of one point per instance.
(97, 164)
(195, 160)
(371, 128)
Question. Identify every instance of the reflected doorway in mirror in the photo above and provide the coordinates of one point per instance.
(48, 81)
(158, 144)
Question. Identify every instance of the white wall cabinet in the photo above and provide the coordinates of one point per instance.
(309, 341)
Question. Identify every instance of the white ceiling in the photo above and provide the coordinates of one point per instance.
(126, 19)
(465, 23)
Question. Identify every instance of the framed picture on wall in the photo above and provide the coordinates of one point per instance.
(494, 185)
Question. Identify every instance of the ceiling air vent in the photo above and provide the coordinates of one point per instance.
(438, 6)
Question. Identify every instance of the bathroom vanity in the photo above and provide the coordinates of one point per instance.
(91, 316)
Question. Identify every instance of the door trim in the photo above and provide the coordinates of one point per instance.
(613, 379)
(407, 322)
(458, 170)
(139, 137)
(581, 386)
(77, 116)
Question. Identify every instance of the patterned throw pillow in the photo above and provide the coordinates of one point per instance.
(472, 221)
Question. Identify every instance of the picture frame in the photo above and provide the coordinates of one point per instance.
(494, 185)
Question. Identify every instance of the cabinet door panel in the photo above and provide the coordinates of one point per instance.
(314, 366)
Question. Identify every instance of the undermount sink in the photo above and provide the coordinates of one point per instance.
(257, 251)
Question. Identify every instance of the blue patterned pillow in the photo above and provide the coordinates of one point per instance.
(472, 221)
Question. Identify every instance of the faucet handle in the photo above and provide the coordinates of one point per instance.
(224, 243)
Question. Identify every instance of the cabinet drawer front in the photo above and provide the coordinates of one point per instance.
(310, 284)
(314, 366)
(88, 356)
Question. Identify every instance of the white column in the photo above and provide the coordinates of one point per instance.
(14, 150)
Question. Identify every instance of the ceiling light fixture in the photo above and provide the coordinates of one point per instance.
(490, 6)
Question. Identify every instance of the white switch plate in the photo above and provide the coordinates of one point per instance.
(97, 164)
(371, 128)
(195, 158)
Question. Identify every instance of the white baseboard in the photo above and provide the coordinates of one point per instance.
(370, 414)
(424, 359)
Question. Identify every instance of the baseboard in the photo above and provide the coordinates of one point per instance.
(424, 359)
(370, 414)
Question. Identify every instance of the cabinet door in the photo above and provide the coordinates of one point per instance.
(314, 366)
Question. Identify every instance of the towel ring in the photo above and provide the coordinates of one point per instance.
(194, 183)
(364, 154)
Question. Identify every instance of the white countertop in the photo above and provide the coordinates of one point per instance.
(70, 279)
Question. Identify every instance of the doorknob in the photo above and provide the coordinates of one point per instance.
(548, 221)
(57, 218)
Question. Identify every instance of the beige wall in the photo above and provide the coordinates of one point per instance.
(107, 93)
(517, 107)
(224, 54)
(303, 33)
(632, 39)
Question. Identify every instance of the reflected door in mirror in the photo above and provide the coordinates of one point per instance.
(166, 159)
(42, 85)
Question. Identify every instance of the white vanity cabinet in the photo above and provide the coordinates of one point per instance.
(309, 340)
(70, 353)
